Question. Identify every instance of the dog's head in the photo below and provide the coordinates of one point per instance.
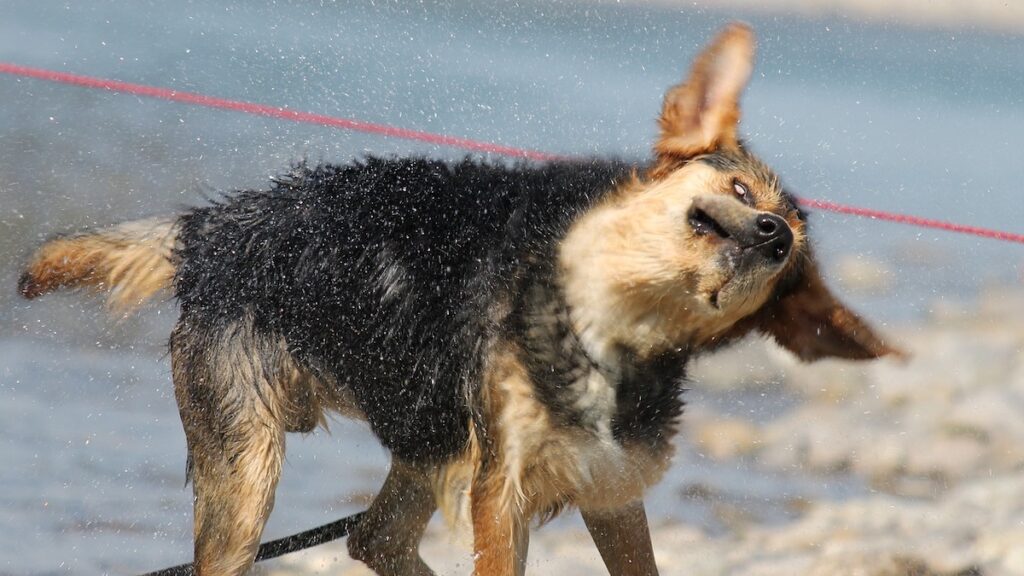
(707, 245)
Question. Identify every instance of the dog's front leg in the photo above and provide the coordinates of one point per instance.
(501, 532)
(623, 539)
(388, 537)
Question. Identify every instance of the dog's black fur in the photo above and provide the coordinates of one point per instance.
(380, 276)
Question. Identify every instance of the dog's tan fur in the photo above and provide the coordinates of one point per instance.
(543, 466)
(132, 261)
(657, 276)
(702, 113)
(234, 473)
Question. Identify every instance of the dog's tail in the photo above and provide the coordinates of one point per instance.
(131, 261)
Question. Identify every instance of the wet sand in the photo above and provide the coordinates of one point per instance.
(937, 443)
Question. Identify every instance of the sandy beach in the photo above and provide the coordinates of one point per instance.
(937, 441)
(992, 15)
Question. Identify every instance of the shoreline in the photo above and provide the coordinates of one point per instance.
(994, 16)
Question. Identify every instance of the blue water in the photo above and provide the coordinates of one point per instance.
(926, 122)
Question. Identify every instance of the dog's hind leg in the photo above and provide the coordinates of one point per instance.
(623, 539)
(388, 537)
(228, 398)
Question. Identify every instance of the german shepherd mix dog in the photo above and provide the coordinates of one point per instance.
(517, 337)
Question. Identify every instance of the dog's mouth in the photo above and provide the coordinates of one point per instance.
(761, 235)
(704, 224)
(719, 297)
(751, 245)
(762, 232)
(713, 298)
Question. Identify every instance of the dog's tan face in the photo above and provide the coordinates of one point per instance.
(744, 231)
(729, 233)
(706, 245)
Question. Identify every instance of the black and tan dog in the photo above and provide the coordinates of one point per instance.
(515, 336)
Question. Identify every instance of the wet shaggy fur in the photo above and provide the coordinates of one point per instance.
(516, 335)
(384, 275)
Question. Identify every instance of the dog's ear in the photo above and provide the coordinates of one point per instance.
(812, 323)
(701, 114)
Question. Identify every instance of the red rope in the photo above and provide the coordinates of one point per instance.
(438, 139)
(911, 220)
(270, 111)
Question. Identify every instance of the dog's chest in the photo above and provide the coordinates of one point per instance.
(588, 443)
(620, 397)
(574, 428)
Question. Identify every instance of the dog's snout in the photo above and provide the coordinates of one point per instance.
(776, 236)
(762, 233)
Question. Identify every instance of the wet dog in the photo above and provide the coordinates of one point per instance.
(516, 336)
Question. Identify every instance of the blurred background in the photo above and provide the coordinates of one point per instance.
(909, 106)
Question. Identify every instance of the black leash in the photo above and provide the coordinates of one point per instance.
(282, 546)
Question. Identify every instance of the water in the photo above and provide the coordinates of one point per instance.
(96, 465)
(925, 122)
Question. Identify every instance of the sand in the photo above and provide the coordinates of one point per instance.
(992, 15)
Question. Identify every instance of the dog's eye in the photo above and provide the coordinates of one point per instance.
(742, 192)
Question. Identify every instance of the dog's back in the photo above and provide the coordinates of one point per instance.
(383, 277)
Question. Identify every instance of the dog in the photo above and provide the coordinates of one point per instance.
(516, 336)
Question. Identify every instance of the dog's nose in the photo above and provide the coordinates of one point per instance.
(774, 236)
(769, 224)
